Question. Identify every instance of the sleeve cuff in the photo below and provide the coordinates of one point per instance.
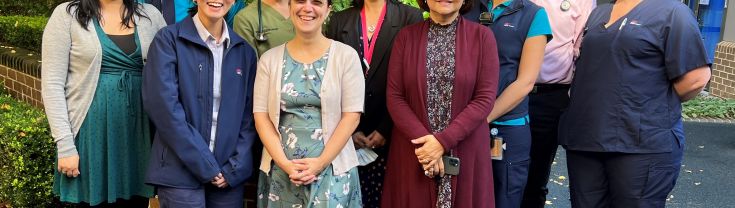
(66, 148)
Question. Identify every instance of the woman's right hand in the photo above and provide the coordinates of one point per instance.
(292, 168)
(359, 139)
(69, 166)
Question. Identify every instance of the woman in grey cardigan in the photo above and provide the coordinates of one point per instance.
(93, 53)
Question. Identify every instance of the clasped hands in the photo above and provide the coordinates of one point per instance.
(374, 140)
(430, 155)
(304, 171)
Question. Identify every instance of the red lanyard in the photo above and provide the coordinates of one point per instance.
(369, 48)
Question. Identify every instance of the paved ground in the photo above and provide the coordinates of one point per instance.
(707, 177)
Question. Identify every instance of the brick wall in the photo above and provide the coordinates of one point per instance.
(20, 73)
(722, 83)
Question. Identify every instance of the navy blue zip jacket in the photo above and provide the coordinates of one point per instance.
(177, 95)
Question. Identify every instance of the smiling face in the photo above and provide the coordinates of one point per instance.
(213, 9)
(444, 7)
(308, 16)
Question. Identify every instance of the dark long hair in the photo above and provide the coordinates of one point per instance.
(86, 10)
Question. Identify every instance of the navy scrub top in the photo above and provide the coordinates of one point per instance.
(622, 95)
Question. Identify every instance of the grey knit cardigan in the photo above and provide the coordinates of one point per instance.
(71, 59)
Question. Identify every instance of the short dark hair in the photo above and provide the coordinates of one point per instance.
(466, 6)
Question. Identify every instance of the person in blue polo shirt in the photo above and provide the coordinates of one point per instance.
(521, 30)
(623, 131)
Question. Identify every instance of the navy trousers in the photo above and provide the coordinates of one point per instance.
(545, 106)
(510, 174)
(602, 179)
(205, 197)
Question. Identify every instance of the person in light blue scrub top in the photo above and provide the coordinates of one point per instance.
(521, 30)
(640, 59)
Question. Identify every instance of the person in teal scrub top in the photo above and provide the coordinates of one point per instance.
(521, 30)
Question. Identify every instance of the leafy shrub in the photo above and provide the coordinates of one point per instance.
(709, 107)
(339, 5)
(24, 32)
(28, 8)
(27, 155)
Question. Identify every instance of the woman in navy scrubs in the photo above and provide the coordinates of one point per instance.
(623, 131)
(521, 30)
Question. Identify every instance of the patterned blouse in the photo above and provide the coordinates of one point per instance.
(440, 82)
(440, 73)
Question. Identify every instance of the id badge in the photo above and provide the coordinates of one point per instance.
(496, 150)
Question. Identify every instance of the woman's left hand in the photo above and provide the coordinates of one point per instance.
(314, 166)
(219, 181)
(430, 151)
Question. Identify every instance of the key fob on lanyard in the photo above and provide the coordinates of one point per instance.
(486, 18)
(496, 145)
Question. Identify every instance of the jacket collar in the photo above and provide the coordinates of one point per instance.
(188, 31)
(514, 6)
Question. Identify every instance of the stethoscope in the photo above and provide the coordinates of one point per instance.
(260, 34)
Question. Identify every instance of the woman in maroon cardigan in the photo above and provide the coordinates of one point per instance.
(442, 81)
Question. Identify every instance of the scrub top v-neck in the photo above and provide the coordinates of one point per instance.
(622, 96)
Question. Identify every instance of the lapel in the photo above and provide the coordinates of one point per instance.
(350, 30)
(421, 72)
(390, 28)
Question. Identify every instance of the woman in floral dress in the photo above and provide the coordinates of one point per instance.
(308, 98)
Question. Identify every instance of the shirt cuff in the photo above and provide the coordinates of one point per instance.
(66, 148)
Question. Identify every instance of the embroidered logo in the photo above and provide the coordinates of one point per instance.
(635, 22)
(507, 24)
(238, 72)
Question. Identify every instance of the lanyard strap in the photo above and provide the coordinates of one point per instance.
(366, 47)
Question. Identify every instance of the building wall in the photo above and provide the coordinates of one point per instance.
(20, 75)
(729, 23)
(722, 83)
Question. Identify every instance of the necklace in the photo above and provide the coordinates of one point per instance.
(371, 28)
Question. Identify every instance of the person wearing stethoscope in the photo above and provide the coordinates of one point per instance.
(521, 30)
(640, 59)
(265, 24)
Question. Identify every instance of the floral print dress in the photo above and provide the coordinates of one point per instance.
(301, 137)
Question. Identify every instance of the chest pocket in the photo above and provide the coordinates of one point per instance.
(509, 24)
(637, 39)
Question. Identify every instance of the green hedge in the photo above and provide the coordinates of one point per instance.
(709, 107)
(28, 7)
(24, 32)
(27, 155)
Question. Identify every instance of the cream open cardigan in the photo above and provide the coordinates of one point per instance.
(342, 90)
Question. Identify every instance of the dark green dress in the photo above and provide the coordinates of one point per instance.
(114, 139)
